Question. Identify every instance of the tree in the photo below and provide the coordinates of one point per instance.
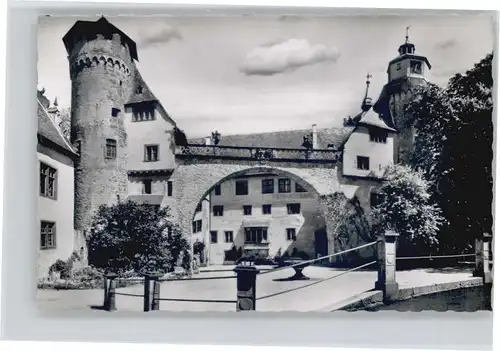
(453, 148)
(406, 207)
(131, 236)
(65, 122)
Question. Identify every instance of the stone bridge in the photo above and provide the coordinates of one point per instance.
(200, 168)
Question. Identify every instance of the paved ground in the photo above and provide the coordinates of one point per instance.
(310, 298)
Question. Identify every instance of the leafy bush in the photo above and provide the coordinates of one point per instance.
(62, 267)
(233, 254)
(131, 236)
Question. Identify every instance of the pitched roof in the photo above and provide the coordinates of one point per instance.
(48, 130)
(88, 29)
(290, 139)
(140, 90)
(371, 118)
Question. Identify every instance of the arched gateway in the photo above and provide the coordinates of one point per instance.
(201, 168)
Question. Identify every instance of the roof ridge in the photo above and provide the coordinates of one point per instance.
(57, 128)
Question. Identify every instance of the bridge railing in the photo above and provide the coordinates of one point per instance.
(247, 274)
(258, 153)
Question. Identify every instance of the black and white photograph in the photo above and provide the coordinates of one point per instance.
(265, 163)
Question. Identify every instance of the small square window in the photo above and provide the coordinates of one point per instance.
(242, 187)
(416, 67)
(284, 185)
(267, 186)
(375, 199)
(213, 237)
(218, 211)
(197, 226)
(228, 236)
(151, 153)
(217, 190)
(363, 163)
(293, 208)
(266, 209)
(291, 234)
(247, 210)
(378, 135)
(115, 112)
(48, 181)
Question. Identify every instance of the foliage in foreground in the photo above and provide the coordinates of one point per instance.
(407, 208)
(140, 237)
(454, 150)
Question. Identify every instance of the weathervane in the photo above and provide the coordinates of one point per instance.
(407, 29)
(368, 76)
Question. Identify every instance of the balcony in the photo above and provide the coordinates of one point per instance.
(257, 154)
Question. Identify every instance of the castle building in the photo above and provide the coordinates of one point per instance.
(56, 159)
(405, 73)
(259, 193)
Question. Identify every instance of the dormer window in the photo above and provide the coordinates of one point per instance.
(139, 89)
(378, 135)
(115, 112)
(141, 114)
(416, 67)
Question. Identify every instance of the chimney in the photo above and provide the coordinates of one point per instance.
(208, 140)
(314, 136)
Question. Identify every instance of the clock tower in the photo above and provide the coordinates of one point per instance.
(404, 73)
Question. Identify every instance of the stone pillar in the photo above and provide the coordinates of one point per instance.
(151, 292)
(109, 292)
(386, 252)
(246, 278)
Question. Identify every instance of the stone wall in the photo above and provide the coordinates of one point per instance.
(101, 80)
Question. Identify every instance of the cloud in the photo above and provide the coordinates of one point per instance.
(286, 56)
(446, 44)
(159, 35)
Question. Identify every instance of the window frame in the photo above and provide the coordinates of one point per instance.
(378, 135)
(267, 186)
(217, 190)
(214, 234)
(299, 188)
(111, 149)
(236, 187)
(291, 234)
(284, 184)
(264, 212)
(291, 206)
(45, 246)
(151, 147)
(115, 112)
(145, 186)
(360, 163)
(414, 64)
(230, 234)
(256, 233)
(247, 210)
(45, 167)
(218, 211)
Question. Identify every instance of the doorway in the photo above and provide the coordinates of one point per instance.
(321, 242)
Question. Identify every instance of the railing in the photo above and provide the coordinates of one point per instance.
(246, 276)
(258, 153)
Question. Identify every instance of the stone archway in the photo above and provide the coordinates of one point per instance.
(192, 182)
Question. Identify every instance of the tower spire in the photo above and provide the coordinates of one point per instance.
(367, 101)
(407, 36)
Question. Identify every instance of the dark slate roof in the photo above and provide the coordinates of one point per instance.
(90, 29)
(48, 130)
(140, 90)
(290, 139)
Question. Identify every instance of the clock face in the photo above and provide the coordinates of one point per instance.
(245, 304)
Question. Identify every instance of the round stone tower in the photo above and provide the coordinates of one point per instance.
(101, 59)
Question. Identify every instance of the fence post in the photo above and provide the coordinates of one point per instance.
(246, 277)
(151, 292)
(478, 270)
(386, 256)
(109, 292)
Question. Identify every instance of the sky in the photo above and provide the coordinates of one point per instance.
(249, 74)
